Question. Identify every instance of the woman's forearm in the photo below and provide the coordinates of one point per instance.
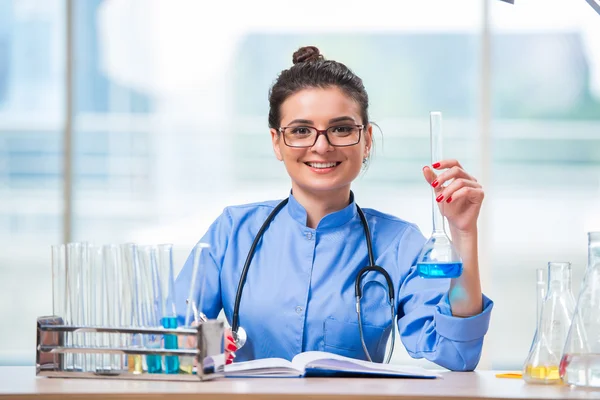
(465, 291)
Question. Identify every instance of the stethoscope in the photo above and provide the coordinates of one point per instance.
(239, 334)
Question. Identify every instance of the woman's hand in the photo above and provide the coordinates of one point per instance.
(230, 347)
(458, 194)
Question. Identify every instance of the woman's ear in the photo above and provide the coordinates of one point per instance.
(368, 140)
(275, 138)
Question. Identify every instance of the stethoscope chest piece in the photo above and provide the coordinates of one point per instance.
(239, 337)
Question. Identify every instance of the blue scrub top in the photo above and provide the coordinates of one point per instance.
(299, 292)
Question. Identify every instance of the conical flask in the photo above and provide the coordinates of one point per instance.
(580, 364)
(542, 362)
(438, 258)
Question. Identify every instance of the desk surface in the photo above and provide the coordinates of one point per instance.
(21, 383)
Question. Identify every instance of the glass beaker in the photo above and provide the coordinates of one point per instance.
(542, 363)
(580, 364)
(438, 258)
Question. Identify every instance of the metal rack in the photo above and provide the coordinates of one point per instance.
(51, 351)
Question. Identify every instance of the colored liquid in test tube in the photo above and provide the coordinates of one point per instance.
(438, 258)
(167, 303)
(171, 362)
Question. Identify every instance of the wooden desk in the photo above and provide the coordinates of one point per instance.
(20, 383)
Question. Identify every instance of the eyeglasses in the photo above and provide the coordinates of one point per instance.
(307, 136)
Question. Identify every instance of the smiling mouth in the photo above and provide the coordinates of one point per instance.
(322, 165)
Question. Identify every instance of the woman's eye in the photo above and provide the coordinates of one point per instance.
(301, 131)
(342, 129)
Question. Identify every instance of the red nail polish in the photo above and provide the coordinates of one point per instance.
(449, 199)
(435, 183)
(227, 362)
(231, 347)
(436, 165)
(439, 198)
(229, 337)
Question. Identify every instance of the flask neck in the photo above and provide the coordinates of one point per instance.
(556, 287)
(593, 249)
(559, 277)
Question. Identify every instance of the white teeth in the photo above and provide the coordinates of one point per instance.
(322, 165)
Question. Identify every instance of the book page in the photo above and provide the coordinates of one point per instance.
(313, 357)
(263, 365)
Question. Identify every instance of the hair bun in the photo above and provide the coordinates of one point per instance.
(307, 54)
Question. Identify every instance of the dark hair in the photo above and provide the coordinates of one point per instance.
(311, 70)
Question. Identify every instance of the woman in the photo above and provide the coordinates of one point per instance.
(299, 292)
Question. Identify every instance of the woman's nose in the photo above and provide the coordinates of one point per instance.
(322, 145)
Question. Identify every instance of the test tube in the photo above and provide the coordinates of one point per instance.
(75, 306)
(148, 289)
(59, 290)
(168, 313)
(131, 310)
(114, 301)
(196, 291)
(59, 280)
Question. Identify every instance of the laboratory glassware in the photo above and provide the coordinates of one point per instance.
(59, 287)
(148, 289)
(580, 364)
(193, 314)
(438, 258)
(542, 362)
(130, 317)
(541, 286)
(167, 312)
(75, 305)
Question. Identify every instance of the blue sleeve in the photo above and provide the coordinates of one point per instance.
(426, 325)
(208, 274)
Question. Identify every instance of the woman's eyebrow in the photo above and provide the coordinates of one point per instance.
(301, 121)
(340, 119)
(331, 121)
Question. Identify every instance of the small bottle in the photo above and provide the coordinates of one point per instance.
(542, 363)
(580, 364)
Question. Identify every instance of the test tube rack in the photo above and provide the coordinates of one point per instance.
(51, 351)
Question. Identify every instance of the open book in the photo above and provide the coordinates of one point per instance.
(318, 363)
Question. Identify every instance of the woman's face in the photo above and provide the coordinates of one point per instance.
(322, 167)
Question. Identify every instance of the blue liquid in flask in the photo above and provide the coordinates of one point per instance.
(171, 362)
(440, 269)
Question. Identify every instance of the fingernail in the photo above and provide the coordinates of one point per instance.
(449, 199)
(231, 347)
(436, 165)
(230, 338)
(439, 198)
(435, 183)
(228, 361)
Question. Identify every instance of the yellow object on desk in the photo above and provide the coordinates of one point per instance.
(510, 375)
